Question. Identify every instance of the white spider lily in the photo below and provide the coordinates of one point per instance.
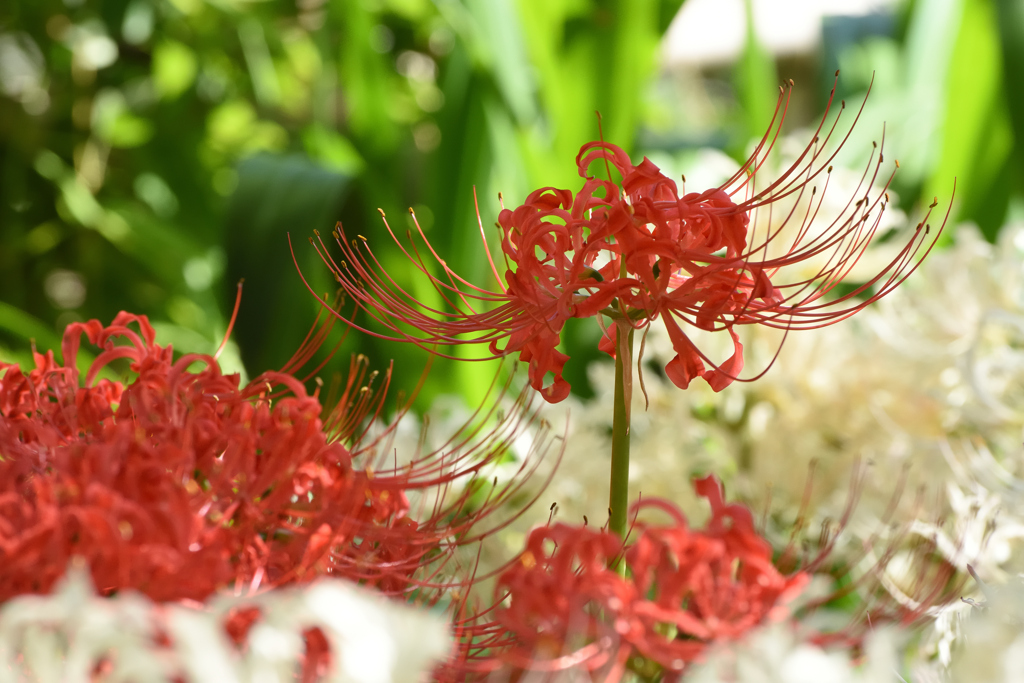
(70, 635)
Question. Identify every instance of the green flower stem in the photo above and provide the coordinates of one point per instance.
(618, 500)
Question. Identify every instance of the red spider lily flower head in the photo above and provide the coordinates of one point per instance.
(637, 250)
(564, 604)
(183, 482)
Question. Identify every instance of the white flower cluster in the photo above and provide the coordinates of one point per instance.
(74, 636)
(779, 654)
(991, 646)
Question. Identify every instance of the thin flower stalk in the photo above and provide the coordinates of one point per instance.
(618, 490)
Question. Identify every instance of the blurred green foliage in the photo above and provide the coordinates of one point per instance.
(948, 85)
(154, 152)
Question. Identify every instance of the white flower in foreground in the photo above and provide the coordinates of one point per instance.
(991, 648)
(776, 654)
(67, 636)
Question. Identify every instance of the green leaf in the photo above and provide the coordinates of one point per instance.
(667, 11)
(24, 326)
(115, 123)
(757, 86)
(368, 79)
(174, 68)
(977, 135)
(333, 150)
(278, 195)
(500, 30)
(28, 328)
(157, 244)
(626, 39)
(233, 128)
(128, 130)
(1011, 32)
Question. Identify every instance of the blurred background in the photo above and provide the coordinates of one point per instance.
(155, 152)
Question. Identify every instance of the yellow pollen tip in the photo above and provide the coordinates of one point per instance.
(334, 234)
(361, 237)
(528, 560)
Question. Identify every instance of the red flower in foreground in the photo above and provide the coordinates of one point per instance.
(636, 251)
(564, 605)
(183, 482)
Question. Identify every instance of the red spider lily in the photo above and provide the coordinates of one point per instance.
(183, 482)
(564, 604)
(637, 251)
